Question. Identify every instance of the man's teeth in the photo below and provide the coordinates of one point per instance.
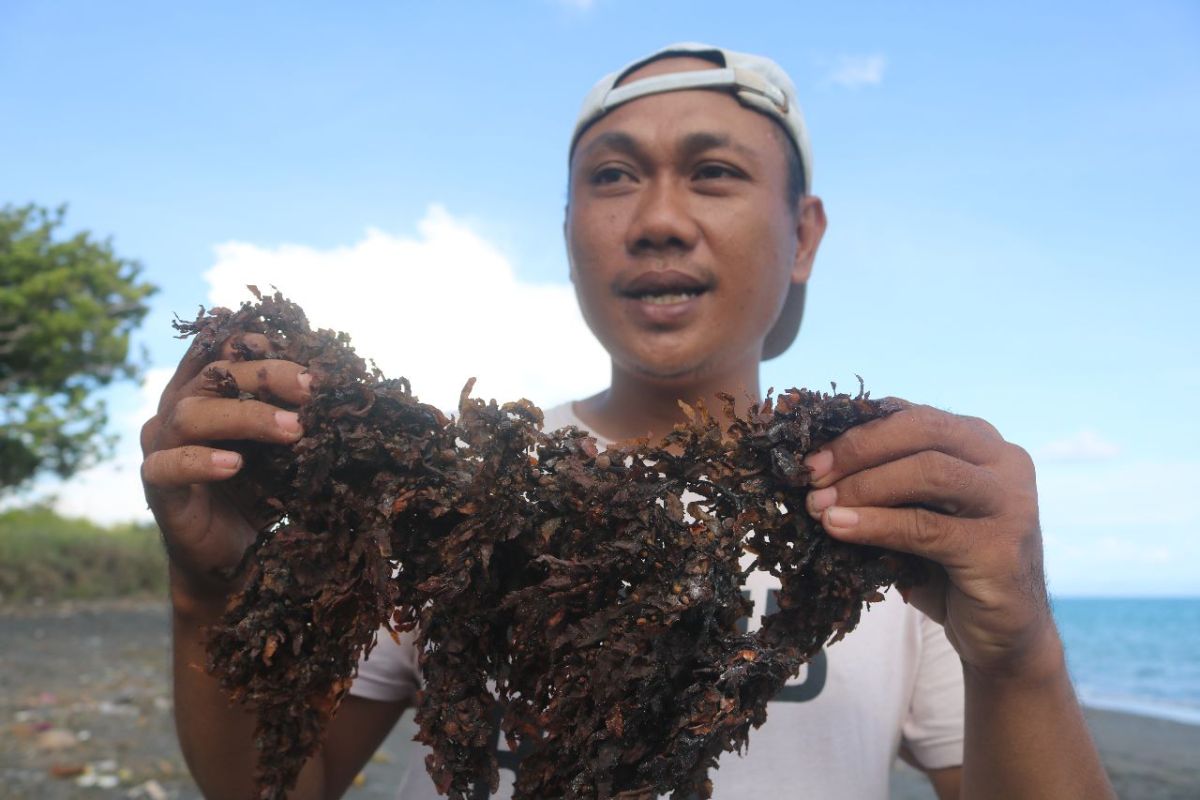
(667, 299)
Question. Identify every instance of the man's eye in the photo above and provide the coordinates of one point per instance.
(609, 175)
(707, 172)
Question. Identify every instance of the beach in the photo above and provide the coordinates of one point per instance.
(85, 712)
(1146, 758)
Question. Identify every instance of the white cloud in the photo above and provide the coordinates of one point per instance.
(1124, 526)
(1086, 445)
(578, 5)
(1136, 495)
(1121, 527)
(1121, 564)
(854, 72)
(1112, 549)
(1127, 526)
(437, 308)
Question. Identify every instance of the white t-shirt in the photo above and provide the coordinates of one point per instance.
(833, 732)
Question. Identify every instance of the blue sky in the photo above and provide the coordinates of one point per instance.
(1011, 193)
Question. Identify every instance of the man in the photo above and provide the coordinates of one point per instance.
(691, 233)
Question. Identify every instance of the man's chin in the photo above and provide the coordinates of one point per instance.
(670, 372)
(675, 362)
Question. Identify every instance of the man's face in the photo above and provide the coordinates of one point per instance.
(680, 234)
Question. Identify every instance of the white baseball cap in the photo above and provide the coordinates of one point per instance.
(759, 84)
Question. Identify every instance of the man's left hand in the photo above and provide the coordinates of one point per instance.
(950, 489)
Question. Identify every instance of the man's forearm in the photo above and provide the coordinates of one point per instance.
(1026, 736)
(217, 738)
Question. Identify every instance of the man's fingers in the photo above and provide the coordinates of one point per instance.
(149, 434)
(269, 380)
(931, 479)
(183, 466)
(907, 432)
(194, 360)
(937, 537)
(206, 419)
(244, 346)
(198, 357)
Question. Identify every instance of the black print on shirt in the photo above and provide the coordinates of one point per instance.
(505, 758)
(810, 688)
(814, 680)
(818, 667)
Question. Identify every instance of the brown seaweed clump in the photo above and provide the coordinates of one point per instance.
(585, 602)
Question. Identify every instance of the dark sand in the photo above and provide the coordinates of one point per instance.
(84, 692)
(1146, 759)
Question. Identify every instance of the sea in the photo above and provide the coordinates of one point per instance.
(1137, 655)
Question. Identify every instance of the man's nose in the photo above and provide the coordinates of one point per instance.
(662, 220)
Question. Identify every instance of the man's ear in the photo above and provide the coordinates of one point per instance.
(810, 227)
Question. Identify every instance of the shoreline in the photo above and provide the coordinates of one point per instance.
(1148, 709)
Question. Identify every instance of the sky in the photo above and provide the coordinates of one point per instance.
(1011, 194)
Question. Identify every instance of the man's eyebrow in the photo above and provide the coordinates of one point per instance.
(702, 141)
(692, 145)
(612, 140)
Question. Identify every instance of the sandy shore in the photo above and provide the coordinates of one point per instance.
(85, 713)
(1146, 759)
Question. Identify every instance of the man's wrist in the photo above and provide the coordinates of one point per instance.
(1042, 662)
(192, 601)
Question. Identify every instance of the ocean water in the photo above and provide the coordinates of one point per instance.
(1139, 655)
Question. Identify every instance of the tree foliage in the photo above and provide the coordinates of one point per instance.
(67, 309)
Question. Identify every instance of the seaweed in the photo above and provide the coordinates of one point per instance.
(586, 602)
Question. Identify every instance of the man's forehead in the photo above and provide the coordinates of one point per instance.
(686, 143)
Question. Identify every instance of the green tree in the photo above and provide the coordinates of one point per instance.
(67, 308)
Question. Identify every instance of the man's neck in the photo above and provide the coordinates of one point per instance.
(634, 406)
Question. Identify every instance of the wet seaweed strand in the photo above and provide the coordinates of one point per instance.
(599, 593)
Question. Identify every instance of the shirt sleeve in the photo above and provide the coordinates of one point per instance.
(390, 672)
(933, 730)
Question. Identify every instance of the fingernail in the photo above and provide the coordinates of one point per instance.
(288, 422)
(821, 499)
(305, 380)
(223, 459)
(838, 517)
(820, 463)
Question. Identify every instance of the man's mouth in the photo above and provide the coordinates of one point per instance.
(664, 288)
(668, 298)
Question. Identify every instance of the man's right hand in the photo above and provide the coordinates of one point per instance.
(185, 472)
(184, 467)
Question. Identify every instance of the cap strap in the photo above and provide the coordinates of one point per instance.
(670, 82)
(751, 87)
(749, 82)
